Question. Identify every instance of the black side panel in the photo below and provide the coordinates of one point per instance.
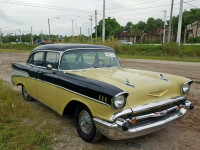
(85, 86)
(32, 71)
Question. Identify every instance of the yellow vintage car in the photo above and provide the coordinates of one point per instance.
(106, 99)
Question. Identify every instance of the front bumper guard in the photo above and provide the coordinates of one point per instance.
(120, 129)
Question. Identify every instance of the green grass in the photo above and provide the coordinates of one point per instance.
(14, 51)
(18, 46)
(173, 52)
(159, 58)
(17, 129)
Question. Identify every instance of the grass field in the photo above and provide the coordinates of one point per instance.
(160, 58)
(173, 52)
(17, 129)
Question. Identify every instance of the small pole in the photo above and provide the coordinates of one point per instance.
(49, 28)
(170, 24)
(41, 35)
(178, 40)
(96, 24)
(103, 32)
(20, 37)
(31, 35)
(164, 26)
(91, 27)
(0, 36)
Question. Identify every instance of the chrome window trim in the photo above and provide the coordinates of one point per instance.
(53, 51)
(87, 68)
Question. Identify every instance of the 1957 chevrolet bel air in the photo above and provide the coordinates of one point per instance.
(107, 99)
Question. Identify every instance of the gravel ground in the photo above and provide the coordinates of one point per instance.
(185, 134)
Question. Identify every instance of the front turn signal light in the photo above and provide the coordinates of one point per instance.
(133, 120)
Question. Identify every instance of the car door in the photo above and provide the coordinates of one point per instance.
(35, 61)
(48, 80)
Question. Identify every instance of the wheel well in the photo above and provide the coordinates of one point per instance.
(19, 84)
(71, 107)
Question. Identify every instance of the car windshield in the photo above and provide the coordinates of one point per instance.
(85, 59)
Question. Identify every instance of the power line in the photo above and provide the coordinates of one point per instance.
(43, 6)
(137, 4)
(149, 7)
(191, 5)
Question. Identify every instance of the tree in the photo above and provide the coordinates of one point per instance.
(112, 27)
(129, 27)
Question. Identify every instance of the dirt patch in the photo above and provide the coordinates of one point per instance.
(185, 134)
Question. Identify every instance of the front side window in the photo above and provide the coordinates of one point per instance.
(52, 58)
(36, 59)
(85, 59)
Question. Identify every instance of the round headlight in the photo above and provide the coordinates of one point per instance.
(119, 101)
(185, 88)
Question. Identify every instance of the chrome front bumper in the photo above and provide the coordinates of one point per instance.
(115, 130)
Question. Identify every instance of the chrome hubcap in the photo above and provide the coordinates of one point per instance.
(85, 122)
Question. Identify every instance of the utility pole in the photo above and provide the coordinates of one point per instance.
(88, 33)
(170, 24)
(103, 32)
(31, 35)
(91, 26)
(72, 27)
(164, 26)
(49, 28)
(41, 35)
(0, 37)
(20, 37)
(96, 24)
(161, 32)
(178, 40)
(80, 31)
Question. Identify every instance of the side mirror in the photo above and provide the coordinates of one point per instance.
(49, 67)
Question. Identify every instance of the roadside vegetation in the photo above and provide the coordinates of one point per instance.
(17, 128)
(170, 51)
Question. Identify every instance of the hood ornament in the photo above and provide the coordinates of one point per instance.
(128, 83)
(157, 93)
(163, 78)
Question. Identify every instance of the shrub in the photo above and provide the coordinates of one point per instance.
(194, 40)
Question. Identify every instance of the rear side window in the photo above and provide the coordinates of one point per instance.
(52, 58)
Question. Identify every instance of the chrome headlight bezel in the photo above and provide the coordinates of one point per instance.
(185, 88)
(123, 96)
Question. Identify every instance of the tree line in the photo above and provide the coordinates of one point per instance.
(114, 29)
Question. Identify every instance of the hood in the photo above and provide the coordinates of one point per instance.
(148, 87)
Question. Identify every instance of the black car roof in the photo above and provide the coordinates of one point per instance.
(63, 47)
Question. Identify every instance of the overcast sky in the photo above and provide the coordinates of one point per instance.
(23, 14)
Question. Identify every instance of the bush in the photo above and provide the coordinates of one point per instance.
(18, 46)
(194, 40)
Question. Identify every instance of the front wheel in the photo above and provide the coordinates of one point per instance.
(85, 125)
(25, 95)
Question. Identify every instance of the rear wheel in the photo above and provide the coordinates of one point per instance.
(25, 95)
(85, 125)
